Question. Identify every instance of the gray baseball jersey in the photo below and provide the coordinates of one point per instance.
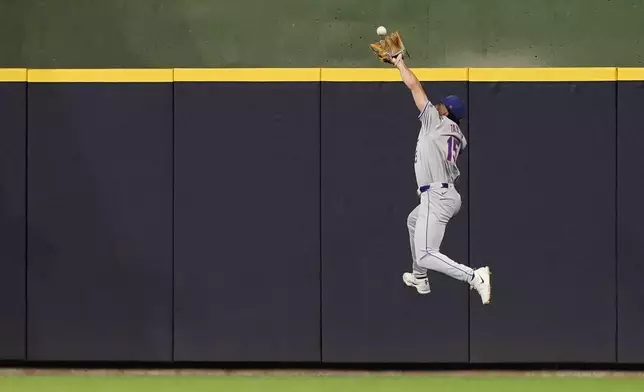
(440, 141)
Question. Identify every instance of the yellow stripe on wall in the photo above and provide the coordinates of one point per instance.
(143, 75)
(112, 75)
(247, 75)
(542, 74)
(392, 74)
(13, 74)
(635, 74)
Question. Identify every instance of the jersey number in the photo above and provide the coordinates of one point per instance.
(453, 148)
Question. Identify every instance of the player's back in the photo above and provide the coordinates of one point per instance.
(440, 142)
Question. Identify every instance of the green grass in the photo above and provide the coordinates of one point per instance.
(410, 383)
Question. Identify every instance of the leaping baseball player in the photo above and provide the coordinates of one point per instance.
(440, 141)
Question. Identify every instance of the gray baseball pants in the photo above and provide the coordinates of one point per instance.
(426, 224)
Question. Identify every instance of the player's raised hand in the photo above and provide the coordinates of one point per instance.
(396, 60)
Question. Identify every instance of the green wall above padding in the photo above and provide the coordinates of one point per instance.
(328, 33)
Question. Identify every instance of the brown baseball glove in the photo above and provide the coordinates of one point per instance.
(388, 48)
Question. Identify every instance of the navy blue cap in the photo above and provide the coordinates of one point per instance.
(455, 106)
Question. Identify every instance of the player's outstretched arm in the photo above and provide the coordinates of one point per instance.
(412, 83)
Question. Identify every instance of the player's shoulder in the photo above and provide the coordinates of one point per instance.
(427, 110)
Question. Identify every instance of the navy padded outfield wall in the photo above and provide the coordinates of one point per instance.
(630, 218)
(100, 221)
(247, 218)
(13, 106)
(542, 215)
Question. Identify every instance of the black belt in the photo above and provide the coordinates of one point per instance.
(426, 187)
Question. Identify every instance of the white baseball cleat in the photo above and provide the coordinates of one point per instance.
(483, 284)
(421, 285)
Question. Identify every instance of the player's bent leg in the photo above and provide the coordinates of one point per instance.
(479, 279)
(431, 258)
(436, 261)
(428, 239)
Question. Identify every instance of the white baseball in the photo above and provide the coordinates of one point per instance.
(381, 30)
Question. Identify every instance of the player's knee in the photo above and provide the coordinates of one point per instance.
(429, 251)
(425, 257)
